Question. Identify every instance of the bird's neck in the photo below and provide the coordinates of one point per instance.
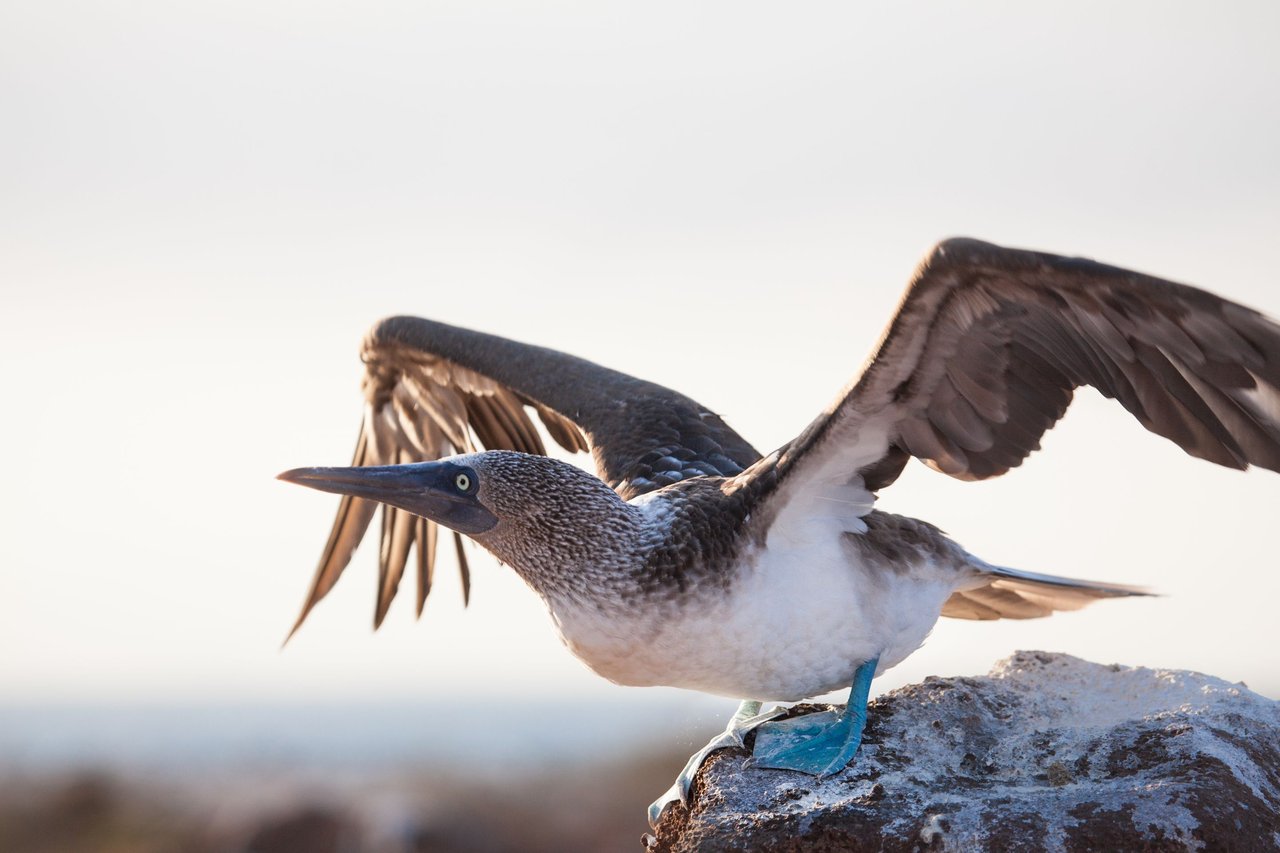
(606, 554)
(585, 551)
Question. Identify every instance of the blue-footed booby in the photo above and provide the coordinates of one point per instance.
(691, 560)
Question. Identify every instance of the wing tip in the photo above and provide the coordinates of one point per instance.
(302, 617)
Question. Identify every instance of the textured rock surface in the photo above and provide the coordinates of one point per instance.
(1048, 752)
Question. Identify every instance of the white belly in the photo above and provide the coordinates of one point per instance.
(797, 621)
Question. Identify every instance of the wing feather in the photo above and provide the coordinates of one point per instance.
(397, 537)
(349, 526)
(426, 535)
(433, 390)
(988, 346)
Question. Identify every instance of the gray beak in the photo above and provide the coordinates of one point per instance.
(428, 489)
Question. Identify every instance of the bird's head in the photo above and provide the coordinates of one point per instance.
(528, 510)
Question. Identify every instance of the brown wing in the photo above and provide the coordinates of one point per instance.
(433, 390)
(989, 343)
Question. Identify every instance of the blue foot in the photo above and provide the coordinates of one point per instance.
(819, 744)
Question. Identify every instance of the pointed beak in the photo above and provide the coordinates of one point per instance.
(423, 488)
(374, 482)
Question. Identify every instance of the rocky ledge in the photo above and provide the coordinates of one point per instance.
(1048, 752)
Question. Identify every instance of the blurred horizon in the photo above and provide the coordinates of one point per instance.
(369, 735)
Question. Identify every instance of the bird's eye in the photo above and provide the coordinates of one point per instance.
(463, 482)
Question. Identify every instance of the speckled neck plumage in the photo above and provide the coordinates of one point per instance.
(569, 536)
(575, 541)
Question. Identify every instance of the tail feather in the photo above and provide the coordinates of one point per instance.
(1001, 593)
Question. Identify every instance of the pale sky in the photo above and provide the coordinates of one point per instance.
(204, 205)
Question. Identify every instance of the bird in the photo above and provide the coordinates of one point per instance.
(690, 559)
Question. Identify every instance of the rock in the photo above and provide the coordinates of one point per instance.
(313, 829)
(1048, 752)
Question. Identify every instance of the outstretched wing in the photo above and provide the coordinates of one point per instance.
(433, 390)
(989, 344)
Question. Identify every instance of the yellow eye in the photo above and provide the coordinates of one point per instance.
(463, 482)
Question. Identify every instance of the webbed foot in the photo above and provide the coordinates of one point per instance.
(820, 744)
(747, 718)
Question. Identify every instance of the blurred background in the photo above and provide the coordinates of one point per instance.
(204, 205)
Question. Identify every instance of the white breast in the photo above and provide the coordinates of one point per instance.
(799, 617)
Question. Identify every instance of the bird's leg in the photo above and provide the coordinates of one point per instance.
(819, 744)
(746, 718)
